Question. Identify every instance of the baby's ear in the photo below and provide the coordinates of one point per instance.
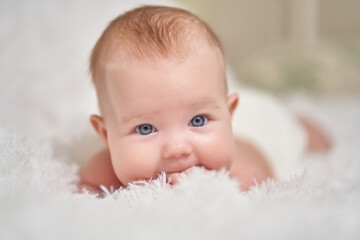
(232, 102)
(99, 125)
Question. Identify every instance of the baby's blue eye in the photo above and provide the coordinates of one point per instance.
(145, 129)
(198, 121)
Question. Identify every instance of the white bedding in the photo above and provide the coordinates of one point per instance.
(45, 100)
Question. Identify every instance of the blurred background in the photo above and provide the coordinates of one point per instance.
(279, 46)
(287, 45)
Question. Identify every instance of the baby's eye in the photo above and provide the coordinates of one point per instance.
(145, 129)
(198, 121)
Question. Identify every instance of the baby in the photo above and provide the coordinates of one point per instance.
(159, 75)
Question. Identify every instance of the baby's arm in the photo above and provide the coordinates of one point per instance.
(250, 166)
(98, 171)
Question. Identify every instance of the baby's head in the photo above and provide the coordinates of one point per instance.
(160, 80)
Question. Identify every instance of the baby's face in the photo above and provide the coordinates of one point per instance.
(169, 116)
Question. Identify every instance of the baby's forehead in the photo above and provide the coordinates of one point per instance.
(119, 63)
(125, 81)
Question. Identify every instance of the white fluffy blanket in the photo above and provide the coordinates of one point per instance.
(45, 100)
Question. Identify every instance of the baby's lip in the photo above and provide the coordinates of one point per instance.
(183, 169)
(173, 177)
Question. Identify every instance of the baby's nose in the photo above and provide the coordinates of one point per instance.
(176, 150)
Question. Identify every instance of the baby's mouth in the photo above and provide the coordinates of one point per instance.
(173, 177)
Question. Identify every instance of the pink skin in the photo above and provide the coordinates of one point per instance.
(167, 94)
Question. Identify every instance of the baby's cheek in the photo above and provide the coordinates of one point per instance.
(133, 162)
(217, 152)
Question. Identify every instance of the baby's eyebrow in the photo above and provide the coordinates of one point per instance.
(137, 115)
(206, 103)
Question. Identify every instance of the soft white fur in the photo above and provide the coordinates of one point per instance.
(45, 100)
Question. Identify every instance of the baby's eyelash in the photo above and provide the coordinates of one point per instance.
(208, 116)
(145, 129)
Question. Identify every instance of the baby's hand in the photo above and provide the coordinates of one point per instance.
(173, 178)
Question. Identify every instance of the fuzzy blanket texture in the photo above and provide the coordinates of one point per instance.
(45, 101)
